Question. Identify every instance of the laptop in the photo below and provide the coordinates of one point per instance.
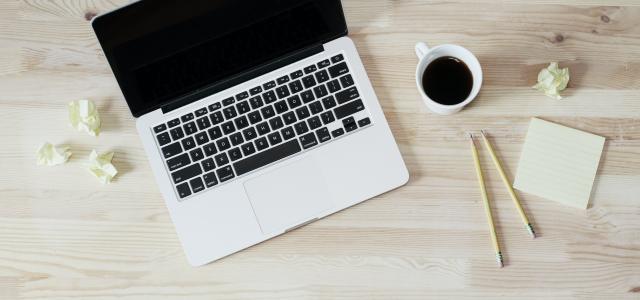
(257, 116)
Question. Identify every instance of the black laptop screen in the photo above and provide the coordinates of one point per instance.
(162, 50)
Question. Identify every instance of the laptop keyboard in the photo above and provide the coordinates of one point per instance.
(290, 114)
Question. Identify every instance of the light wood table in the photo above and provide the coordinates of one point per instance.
(63, 235)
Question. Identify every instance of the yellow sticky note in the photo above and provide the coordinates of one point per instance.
(559, 163)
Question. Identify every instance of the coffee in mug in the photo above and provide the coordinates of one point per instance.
(447, 80)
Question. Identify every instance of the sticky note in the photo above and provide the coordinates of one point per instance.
(559, 163)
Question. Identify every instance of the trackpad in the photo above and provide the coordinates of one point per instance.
(288, 196)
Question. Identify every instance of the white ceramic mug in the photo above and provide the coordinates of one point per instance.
(427, 55)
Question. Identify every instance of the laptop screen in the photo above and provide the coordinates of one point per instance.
(162, 50)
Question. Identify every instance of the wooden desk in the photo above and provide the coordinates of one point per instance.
(65, 236)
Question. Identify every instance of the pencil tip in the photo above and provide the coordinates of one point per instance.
(531, 231)
(470, 135)
(499, 259)
(482, 131)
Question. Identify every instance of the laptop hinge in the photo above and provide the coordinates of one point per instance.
(242, 77)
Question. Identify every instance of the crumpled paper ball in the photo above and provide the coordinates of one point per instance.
(552, 80)
(83, 116)
(100, 166)
(50, 155)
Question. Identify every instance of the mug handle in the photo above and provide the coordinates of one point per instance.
(421, 49)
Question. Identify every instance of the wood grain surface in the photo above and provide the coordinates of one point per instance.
(63, 235)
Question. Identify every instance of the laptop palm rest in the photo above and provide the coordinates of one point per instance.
(288, 196)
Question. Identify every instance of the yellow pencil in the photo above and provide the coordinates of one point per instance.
(485, 200)
(507, 183)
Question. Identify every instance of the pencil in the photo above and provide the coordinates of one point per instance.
(507, 183)
(485, 200)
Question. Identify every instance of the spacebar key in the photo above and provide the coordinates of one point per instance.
(264, 158)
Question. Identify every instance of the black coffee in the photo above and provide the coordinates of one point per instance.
(447, 80)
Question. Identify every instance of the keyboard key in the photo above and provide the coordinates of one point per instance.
(183, 190)
(186, 173)
(289, 118)
(282, 92)
(210, 179)
(302, 112)
(201, 112)
(228, 127)
(254, 117)
(203, 123)
(314, 122)
(243, 107)
(281, 106)
(214, 107)
(196, 154)
(242, 96)
(215, 133)
(188, 117)
(327, 117)
(249, 133)
(346, 80)
(283, 79)
(210, 149)
(201, 137)
(338, 70)
(310, 69)
(223, 144)
(190, 128)
(171, 150)
(294, 101)
(261, 143)
(160, 128)
(348, 109)
(255, 90)
(296, 74)
(364, 122)
(316, 107)
(349, 124)
(225, 173)
(323, 134)
(230, 112)
(329, 102)
(276, 123)
(320, 91)
(256, 102)
(333, 85)
(323, 64)
(178, 162)
(248, 149)
(163, 138)
(338, 132)
(322, 76)
(268, 112)
(269, 97)
(176, 133)
(236, 139)
(263, 128)
(216, 118)
(308, 81)
(269, 85)
(274, 138)
(308, 140)
(267, 157)
(221, 159)
(295, 86)
(235, 154)
(228, 101)
(337, 58)
(301, 127)
(287, 133)
(307, 96)
(208, 164)
(241, 122)
(173, 123)
(347, 95)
